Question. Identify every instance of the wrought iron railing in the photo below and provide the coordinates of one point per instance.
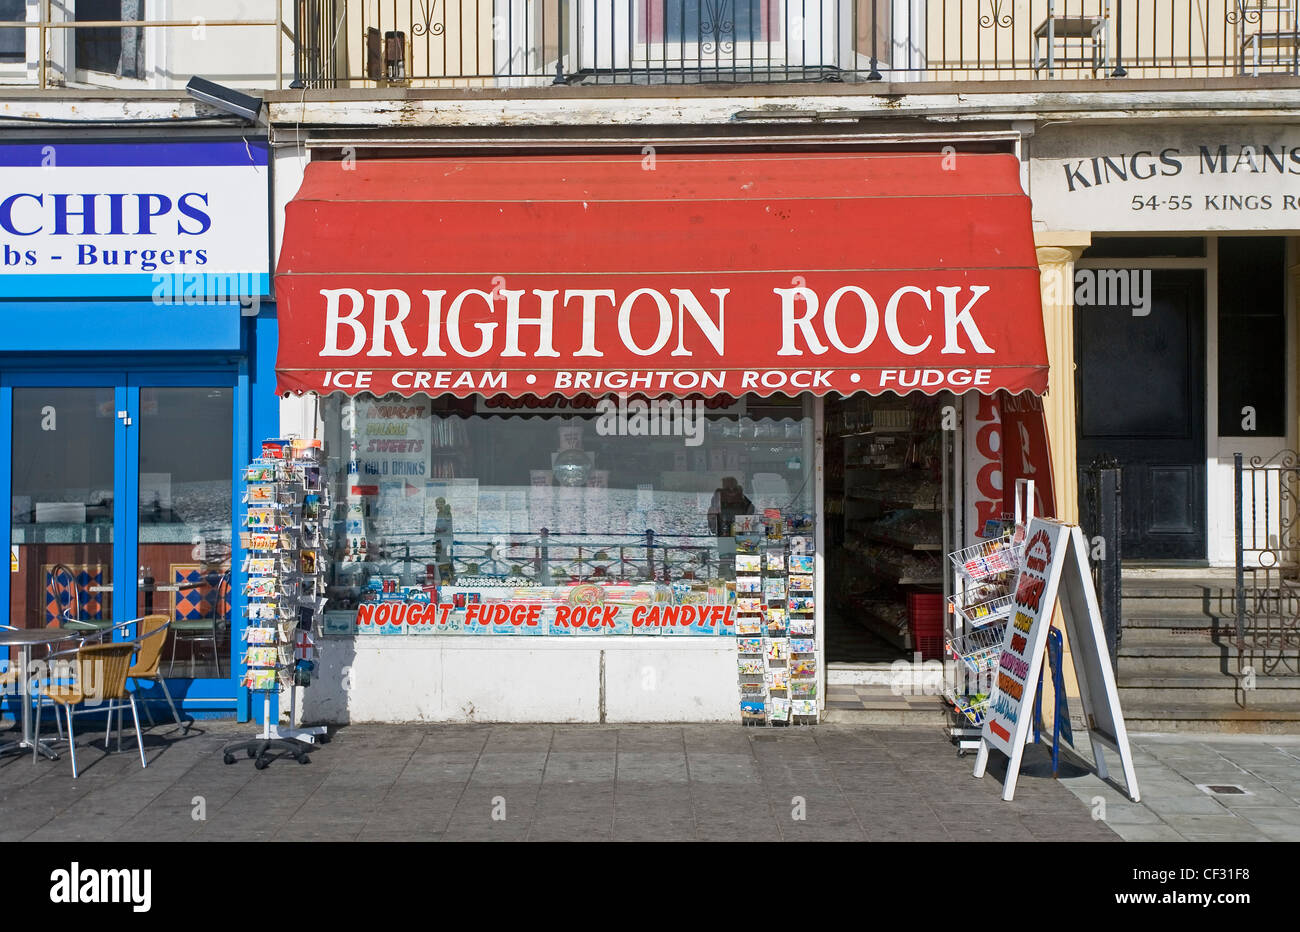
(1267, 525)
(548, 557)
(521, 43)
(534, 42)
(1101, 517)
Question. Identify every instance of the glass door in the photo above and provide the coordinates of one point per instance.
(183, 521)
(122, 507)
(64, 486)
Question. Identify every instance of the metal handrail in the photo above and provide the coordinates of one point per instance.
(45, 24)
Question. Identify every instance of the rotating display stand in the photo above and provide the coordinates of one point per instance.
(284, 589)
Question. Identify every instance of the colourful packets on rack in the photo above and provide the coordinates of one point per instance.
(801, 603)
(803, 707)
(750, 666)
(802, 626)
(261, 587)
(803, 668)
(776, 649)
(749, 584)
(261, 493)
(260, 566)
(801, 583)
(262, 656)
(803, 689)
(777, 679)
(776, 616)
(774, 589)
(801, 563)
(749, 604)
(261, 680)
(803, 646)
(774, 561)
(778, 710)
(752, 706)
(259, 635)
(748, 563)
(749, 645)
(750, 626)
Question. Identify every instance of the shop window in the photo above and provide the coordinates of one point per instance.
(540, 497)
(1252, 336)
(13, 42)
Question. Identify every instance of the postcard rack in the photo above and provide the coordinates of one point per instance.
(776, 652)
(286, 502)
(979, 610)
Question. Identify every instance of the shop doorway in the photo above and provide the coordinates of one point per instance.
(887, 506)
(122, 506)
(1140, 382)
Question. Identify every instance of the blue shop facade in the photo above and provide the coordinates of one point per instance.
(137, 348)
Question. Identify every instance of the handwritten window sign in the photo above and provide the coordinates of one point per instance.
(1055, 572)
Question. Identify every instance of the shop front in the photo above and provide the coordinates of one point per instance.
(135, 365)
(685, 430)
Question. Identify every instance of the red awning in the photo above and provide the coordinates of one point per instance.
(675, 274)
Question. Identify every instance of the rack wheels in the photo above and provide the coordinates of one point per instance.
(262, 762)
(228, 758)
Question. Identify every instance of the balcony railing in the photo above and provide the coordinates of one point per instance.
(507, 43)
(523, 43)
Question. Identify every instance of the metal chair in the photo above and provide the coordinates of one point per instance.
(1275, 26)
(99, 673)
(203, 629)
(1094, 29)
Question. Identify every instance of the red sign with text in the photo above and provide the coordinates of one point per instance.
(681, 274)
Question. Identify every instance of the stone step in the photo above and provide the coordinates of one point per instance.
(1164, 642)
(1211, 718)
(1195, 691)
(837, 716)
(1197, 665)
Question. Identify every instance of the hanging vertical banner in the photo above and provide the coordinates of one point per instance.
(1055, 572)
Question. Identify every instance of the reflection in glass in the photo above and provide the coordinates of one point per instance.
(61, 510)
(185, 524)
(556, 492)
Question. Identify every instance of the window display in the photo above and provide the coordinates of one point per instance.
(554, 516)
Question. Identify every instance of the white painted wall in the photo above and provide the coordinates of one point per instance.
(412, 678)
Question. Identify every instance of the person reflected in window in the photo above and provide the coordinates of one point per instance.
(729, 500)
(442, 533)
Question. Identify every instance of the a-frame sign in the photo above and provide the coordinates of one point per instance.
(1055, 569)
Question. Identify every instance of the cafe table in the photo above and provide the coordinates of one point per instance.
(25, 639)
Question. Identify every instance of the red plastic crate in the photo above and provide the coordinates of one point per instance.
(925, 616)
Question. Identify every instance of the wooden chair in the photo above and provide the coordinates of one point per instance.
(99, 674)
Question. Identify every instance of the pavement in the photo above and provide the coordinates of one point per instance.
(634, 783)
(1203, 787)
(537, 782)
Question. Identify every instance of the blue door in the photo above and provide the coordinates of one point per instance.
(122, 506)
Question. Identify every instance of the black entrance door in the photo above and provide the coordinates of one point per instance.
(1141, 396)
